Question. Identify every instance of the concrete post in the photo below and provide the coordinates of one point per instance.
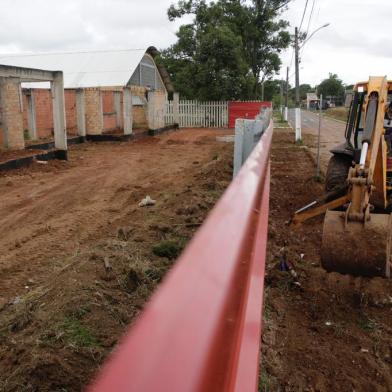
(60, 132)
(31, 118)
(298, 136)
(286, 113)
(127, 109)
(80, 113)
(238, 145)
(176, 108)
(12, 115)
(156, 110)
(93, 111)
(117, 108)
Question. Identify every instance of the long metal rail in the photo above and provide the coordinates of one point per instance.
(201, 330)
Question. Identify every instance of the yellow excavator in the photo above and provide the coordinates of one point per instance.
(357, 225)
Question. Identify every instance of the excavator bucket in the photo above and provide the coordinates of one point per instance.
(356, 248)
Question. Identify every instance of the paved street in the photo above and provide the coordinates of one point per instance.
(332, 133)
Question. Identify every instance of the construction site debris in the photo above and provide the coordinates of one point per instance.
(147, 201)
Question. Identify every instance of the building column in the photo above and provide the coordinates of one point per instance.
(127, 109)
(31, 118)
(93, 111)
(176, 108)
(117, 108)
(12, 113)
(60, 131)
(80, 113)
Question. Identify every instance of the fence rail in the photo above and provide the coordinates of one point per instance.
(201, 330)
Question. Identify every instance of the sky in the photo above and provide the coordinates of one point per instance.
(358, 42)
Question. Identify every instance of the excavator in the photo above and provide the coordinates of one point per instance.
(358, 200)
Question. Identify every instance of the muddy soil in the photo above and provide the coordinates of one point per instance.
(79, 257)
(322, 331)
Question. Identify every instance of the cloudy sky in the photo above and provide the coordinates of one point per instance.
(357, 43)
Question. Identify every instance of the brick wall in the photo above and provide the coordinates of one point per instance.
(139, 112)
(93, 107)
(11, 114)
(44, 112)
(156, 109)
(70, 112)
(109, 113)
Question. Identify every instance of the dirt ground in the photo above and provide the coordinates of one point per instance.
(79, 257)
(322, 331)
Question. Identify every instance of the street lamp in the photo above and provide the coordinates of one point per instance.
(297, 97)
(314, 32)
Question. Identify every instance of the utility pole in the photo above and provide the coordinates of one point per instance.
(286, 104)
(297, 97)
(262, 91)
(319, 138)
(281, 97)
(296, 48)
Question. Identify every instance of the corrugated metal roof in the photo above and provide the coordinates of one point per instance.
(83, 69)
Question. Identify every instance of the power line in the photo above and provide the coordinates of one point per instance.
(303, 15)
(310, 17)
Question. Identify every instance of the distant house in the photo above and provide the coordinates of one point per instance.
(312, 101)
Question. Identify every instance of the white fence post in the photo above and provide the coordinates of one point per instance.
(176, 108)
(298, 124)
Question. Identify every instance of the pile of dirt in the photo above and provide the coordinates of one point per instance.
(322, 331)
(76, 305)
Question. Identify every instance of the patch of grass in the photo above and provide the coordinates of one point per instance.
(267, 312)
(77, 334)
(299, 142)
(339, 113)
(215, 157)
(169, 249)
(367, 324)
(265, 382)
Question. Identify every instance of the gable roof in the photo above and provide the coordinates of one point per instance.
(106, 68)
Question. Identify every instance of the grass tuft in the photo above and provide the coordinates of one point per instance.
(169, 249)
(77, 334)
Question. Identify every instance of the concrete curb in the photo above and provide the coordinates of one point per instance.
(27, 161)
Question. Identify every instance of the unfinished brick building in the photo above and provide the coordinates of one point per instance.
(105, 91)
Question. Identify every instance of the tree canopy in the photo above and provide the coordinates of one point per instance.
(229, 48)
(332, 86)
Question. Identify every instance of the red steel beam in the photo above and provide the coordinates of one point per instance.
(201, 330)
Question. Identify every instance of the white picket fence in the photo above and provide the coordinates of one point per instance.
(195, 114)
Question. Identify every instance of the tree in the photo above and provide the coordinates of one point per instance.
(303, 90)
(332, 86)
(228, 50)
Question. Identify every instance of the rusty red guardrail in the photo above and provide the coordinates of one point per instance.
(201, 330)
